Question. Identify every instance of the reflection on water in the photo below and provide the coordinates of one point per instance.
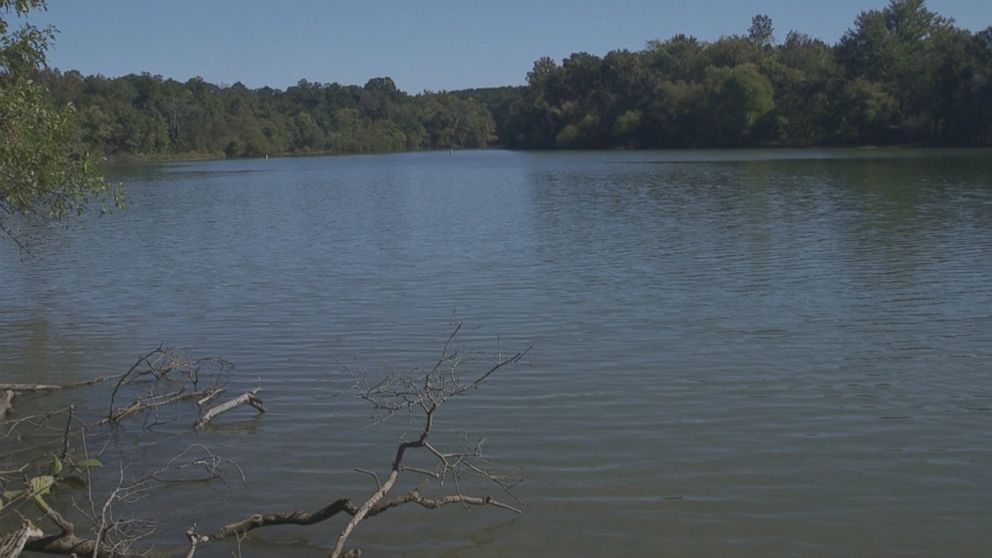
(747, 353)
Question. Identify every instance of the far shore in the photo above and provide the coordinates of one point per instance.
(128, 159)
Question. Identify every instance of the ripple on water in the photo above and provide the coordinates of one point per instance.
(735, 353)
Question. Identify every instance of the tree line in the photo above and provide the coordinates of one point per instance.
(900, 75)
(149, 115)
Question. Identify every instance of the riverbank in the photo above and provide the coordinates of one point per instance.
(127, 159)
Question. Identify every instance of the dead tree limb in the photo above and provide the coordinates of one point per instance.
(6, 403)
(249, 398)
(149, 402)
(59, 387)
(302, 518)
(421, 393)
(13, 544)
(34, 471)
(160, 363)
(66, 542)
(415, 497)
(425, 393)
(217, 393)
(345, 506)
(194, 541)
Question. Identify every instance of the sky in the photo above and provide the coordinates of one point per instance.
(422, 44)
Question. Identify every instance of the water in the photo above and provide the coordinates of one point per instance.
(736, 353)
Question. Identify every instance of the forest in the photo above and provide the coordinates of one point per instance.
(901, 75)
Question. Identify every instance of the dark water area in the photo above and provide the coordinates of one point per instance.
(735, 353)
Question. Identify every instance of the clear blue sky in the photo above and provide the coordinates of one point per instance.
(421, 44)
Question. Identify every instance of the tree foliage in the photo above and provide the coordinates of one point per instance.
(149, 115)
(902, 74)
(44, 172)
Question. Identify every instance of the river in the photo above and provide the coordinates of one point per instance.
(735, 353)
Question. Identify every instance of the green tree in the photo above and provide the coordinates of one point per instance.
(869, 112)
(762, 32)
(44, 175)
(737, 100)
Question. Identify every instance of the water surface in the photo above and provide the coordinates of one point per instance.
(736, 353)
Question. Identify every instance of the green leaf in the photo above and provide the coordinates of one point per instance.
(42, 484)
(89, 463)
(56, 465)
(12, 494)
(73, 482)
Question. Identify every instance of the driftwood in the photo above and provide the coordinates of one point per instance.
(344, 505)
(13, 544)
(29, 480)
(424, 394)
(66, 541)
(249, 398)
(67, 544)
(217, 393)
(9, 391)
(150, 402)
(6, 404)
(420, 394)
(58, 387)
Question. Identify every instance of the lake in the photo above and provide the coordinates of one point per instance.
(735, 353)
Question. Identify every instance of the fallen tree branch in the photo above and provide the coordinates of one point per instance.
(420, 393)
(59, 387)
(147, 403)
(425, 393)
(194, 540)
(13, 544)
(249, 398)
(6, 403)
(66, 542)
(415, 497)
(344, 505)
(69, 544)
(210, 397)
(258, 520)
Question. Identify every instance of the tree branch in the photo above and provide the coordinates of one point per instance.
(248, 398)
(6, 403)
(257, 521)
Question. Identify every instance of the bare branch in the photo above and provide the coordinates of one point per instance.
(58, 387)
(288, 518)
(194, 540)
(152, 401)
(374, 475)
(6, 403)
(13, 544)
(211, 397)
(248, 398)
(434, 503)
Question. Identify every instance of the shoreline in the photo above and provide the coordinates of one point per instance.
(135, 160)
